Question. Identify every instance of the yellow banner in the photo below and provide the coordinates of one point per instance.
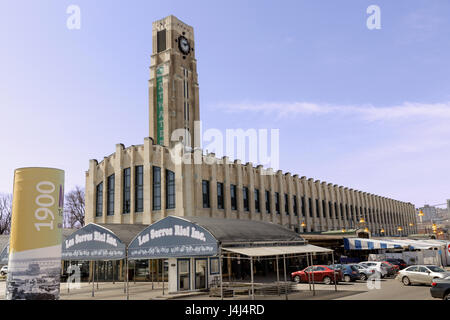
(38, 201)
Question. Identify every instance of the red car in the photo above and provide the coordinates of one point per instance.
(319, 273)
(396, 267)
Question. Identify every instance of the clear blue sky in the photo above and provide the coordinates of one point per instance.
(367, 109)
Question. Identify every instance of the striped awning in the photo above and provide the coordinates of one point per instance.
(370, 244)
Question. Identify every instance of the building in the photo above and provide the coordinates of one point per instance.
(143, 184)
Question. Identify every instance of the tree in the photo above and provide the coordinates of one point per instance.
(5, 213)
(74, 208)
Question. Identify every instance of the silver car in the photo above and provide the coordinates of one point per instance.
(421, 274)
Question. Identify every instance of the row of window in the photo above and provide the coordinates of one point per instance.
(245, 198)
(139, 191)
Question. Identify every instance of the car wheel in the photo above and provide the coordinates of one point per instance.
(297, 279)
(447, 296)
(363, 277)
(406, 281)
(347, 278)
(327, 280)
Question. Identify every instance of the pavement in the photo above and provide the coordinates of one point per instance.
(384, 289)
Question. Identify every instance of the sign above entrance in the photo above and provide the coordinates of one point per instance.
(93, 242)
(172, 237)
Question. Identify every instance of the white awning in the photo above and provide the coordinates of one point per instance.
(277, 250)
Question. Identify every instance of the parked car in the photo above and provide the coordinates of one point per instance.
(365, 271)
(380, 267)
(4, 270)
(392, 268)
(349, 272)
(397, 262)
(424, 274)
(440, 288)
(319, 273)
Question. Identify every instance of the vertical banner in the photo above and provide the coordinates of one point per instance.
(35, 244)
(159, 105)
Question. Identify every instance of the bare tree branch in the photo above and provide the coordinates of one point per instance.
(74, 208)
(5, 213)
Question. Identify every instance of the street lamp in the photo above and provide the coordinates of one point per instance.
(366, 229)
(303, 224)
(382, 230)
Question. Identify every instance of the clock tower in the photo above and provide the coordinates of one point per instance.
(173, 84)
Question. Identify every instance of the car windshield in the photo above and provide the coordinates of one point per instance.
(435, 269)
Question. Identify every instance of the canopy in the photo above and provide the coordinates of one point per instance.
(93, 242)
(368, 244)
(172, 237)
(266, 251)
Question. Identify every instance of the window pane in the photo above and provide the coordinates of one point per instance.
(126, 190)
(99, 200)
(139, 189)
(110, 195)
(170, 189)
(205, 191)
(257, 200)
(220, 195)
(156, 188)
(233, 197)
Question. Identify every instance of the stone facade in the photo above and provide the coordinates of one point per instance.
(311, 206)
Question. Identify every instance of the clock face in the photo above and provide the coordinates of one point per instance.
(183, 45)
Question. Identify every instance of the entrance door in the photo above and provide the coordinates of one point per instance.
(184, 279)
(201, 273)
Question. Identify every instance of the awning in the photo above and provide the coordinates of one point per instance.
(369, 244)
(172, 237)
(277, 250)
(93, 242)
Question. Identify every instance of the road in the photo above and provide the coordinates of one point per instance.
(385, 289)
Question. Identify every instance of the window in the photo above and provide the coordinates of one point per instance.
(310, 207)
(342, 211)
(286, 203)
(324, 208)
(267, 201)
(186, 94)
(336, 210)
(295, 206)
(303, 205)
(214, 265)
(139, 189)
(317, 208)
(126, 190)
(330, 208)
(110, 195)
(156, 188)
(346, 211)
(233, 197)
(205, 193)
(220, 195)
(277, 202)
(99, 200)
(170, 189)
(257, 209)
(245, 198)
(161, 40)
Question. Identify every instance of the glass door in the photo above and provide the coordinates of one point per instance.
(201, 273)
(184, 279)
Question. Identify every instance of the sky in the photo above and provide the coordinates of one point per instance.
(368, 109)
